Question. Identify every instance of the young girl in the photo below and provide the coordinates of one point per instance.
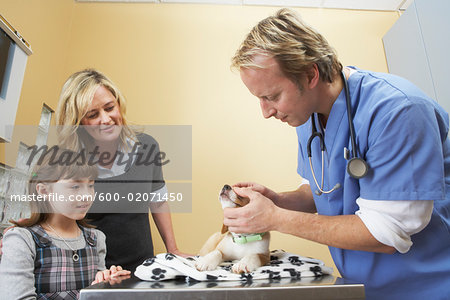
(55, 253)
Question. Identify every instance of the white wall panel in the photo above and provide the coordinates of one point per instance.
(417, 48)
(433, 16)
(405, 51)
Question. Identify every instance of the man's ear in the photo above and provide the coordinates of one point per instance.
(42, 189)
(224, 229)
(313, 76)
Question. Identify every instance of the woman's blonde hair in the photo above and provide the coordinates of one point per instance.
(76, 96)
(295, 45)
(51, 167)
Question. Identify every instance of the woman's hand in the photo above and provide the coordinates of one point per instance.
(113, 273)
(258, 216)
(179, 253)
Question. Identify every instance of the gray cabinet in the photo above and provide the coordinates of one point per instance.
(417, 48)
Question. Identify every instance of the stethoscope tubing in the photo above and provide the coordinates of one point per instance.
(359, 163)
(349, 116)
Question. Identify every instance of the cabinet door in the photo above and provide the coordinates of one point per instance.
(417, 46)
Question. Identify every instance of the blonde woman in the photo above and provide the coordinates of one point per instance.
(92, 117)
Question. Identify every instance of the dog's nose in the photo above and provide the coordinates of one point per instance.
(226, 187)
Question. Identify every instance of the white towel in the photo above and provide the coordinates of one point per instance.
(166, 266)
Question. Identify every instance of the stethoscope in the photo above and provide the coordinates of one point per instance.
(356, 166)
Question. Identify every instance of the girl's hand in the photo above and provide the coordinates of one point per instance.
(113, 273)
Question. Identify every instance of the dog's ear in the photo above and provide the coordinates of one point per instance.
(224, 229)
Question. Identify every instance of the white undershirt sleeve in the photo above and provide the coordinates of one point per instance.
(162, 192)
(159, 197)
(393, 222)
(303, 182)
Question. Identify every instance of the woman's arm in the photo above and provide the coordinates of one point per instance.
(163, 221)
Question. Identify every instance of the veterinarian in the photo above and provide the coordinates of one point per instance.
(377, 171)
(90, 99)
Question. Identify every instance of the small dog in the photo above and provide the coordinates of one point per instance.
(252, 250)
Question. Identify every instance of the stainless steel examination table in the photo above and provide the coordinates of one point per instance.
(324, 287)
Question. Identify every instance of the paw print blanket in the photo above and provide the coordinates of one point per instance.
(166, 266)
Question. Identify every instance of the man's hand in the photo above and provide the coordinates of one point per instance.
(256, 217)
(260, 189)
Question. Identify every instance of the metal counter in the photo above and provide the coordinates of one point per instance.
(324, 287)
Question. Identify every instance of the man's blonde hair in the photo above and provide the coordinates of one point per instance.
(295, 45)
(76, 96)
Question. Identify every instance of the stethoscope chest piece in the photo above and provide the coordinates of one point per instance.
(357, 167)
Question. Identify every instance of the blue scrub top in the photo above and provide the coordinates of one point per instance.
(402, 134)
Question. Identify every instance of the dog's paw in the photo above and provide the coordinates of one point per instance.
(247, 264)
(204, 265)
(208, 262)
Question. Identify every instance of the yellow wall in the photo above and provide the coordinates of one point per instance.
(45, 25)
(171, 61)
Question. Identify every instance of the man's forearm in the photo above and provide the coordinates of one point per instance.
(346, 232)
(299, 200)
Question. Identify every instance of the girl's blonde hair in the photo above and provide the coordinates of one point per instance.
(61, 164)
(294, 44)
(76, 96)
